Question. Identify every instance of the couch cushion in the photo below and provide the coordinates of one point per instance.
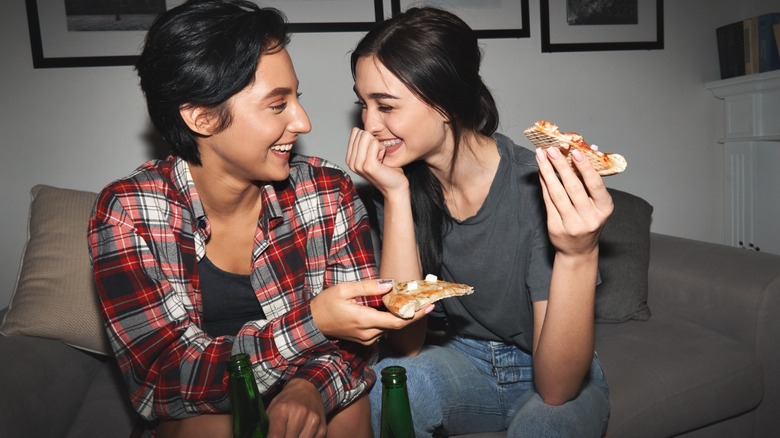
(38, 399)
(624, 256)
(55, 294)
(659, 368)
(106, 406)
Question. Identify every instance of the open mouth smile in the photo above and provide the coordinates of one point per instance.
(282, 148)
(391, 145)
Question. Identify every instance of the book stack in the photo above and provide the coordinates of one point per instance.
(749, 46)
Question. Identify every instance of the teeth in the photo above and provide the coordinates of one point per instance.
(282, 147)
(388, 143)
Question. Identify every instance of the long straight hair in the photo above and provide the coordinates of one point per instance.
(436, 56)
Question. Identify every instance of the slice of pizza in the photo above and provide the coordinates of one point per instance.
(408, 297)
(545, 134)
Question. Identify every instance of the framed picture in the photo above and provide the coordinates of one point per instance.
(488, 18)
(329, 15)
(89, 33)
(591, 25)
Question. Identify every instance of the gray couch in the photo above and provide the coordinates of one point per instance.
(702, 361)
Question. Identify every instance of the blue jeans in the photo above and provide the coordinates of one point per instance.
(469, 385)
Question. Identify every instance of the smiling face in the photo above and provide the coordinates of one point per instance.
(409, 128)
(266, 120)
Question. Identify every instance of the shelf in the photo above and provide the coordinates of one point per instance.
(752, 132)
(750, 139)
(755, 83)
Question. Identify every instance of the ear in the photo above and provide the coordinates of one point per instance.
(198, 119)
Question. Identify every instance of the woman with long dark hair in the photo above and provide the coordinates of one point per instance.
(458, 200)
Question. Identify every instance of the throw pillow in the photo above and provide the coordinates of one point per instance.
(624, 256)
(55, 294)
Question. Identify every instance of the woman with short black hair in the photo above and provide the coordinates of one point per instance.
(234, 244)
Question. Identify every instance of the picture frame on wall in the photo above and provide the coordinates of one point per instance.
(583, 25)
(488, 18)
(65, 33)
(56, 42)
(329, 15)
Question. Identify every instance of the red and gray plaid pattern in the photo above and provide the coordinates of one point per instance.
(148, 232)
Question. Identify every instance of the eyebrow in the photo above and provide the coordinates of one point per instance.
(376, 96)
(277, 92)
(381, 96)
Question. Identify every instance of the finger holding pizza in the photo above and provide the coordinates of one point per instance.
(577, 201)
(338, 314)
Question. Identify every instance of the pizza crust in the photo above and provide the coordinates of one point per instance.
(408, 297)
(545, 134)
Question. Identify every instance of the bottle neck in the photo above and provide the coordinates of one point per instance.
(394, 377)
(396, 416)
(238, 363)
(249, 415)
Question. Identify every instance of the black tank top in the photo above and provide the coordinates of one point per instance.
(228, 300)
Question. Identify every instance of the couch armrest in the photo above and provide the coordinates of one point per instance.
(42, 385)
(728, 290)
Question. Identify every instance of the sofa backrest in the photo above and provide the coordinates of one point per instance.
(55, 295)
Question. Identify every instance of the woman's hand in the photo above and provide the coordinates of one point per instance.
(365, 156)
(338, 315)
(577, 209)
(297, 411)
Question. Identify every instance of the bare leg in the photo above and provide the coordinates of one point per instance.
(354, 421)
(202, 426)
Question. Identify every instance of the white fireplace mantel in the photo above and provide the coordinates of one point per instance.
(752, 148)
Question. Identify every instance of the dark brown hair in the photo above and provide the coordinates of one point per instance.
(437, 56)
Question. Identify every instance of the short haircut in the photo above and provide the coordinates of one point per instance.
(201, 53)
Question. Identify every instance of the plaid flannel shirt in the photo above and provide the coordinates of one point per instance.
(147, 234)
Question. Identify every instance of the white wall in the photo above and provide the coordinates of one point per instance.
(82, 127)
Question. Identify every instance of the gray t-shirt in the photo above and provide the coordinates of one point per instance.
(503, 251)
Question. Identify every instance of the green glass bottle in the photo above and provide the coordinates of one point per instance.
(249, 417)
(396, 414)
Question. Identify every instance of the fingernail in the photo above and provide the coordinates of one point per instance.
(577, 155)
(539, 152)
(385, 281)
(430, 309)
(554, 153)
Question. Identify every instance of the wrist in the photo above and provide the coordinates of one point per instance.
(579, 260)
(300, 384)
(400, 195)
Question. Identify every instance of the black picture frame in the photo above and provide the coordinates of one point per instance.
(41, 60)
(128, 53)
(649, 30)
(523, 31)
(336, 26)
